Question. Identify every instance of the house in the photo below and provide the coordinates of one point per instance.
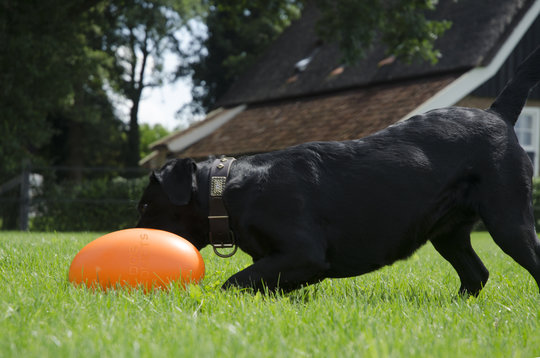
(299, 91)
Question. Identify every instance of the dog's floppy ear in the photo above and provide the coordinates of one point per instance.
(178, 180)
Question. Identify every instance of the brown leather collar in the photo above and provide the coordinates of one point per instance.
(221, 236)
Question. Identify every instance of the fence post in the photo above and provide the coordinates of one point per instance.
(24, 201)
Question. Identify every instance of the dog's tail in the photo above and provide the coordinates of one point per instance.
(511, 100)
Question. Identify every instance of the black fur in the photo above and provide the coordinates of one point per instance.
(339, 209)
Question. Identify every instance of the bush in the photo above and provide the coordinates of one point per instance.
(91, 205)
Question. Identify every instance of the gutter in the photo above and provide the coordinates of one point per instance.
(183, 141)
(178, 141)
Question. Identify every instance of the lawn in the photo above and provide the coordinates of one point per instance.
(409, 309)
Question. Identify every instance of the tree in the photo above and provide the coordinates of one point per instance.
(43, 51)
(87, 134)
(141, 32)
(239, 31)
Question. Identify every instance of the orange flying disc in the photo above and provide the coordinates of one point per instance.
(137, 257)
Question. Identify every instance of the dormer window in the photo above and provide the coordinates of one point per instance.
(303, 64)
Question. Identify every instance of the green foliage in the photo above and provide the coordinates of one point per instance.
(401, 25)
(91, 205)
(45, 56)
(409, 309)
(90, 136)
(150, 134)
(412, 36)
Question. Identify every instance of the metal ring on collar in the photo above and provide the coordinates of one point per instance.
(233, 245)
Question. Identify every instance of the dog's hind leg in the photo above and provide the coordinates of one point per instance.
(455, 246)
(510, 221)
(516, 236)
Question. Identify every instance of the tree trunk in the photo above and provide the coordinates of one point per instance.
(135, 92)
(133, 154)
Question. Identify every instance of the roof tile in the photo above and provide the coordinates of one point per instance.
(339, 116)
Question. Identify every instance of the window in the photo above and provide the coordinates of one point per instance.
(527, 133)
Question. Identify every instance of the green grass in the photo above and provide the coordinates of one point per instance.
(409, 309)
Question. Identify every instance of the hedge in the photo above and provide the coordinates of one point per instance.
(90, 205)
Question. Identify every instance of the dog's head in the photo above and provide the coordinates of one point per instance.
(171, 202)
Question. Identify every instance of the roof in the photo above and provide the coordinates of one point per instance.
(342, 116)
(478, 28)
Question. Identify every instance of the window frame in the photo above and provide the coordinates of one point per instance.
(534, 113)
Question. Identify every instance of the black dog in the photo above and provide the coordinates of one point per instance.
(338, 209)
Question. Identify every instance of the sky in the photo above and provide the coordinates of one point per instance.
(159, 105)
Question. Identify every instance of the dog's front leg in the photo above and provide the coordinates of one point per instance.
(284, 272)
